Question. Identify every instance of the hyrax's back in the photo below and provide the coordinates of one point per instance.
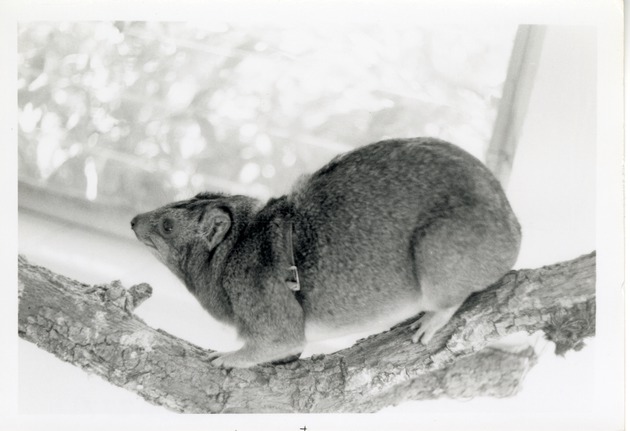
(399, 227)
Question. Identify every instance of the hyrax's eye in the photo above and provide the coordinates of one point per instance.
(167, 225)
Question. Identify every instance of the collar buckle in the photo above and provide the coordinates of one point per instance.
(293, 279)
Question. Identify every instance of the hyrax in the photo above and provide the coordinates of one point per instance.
(376, 236)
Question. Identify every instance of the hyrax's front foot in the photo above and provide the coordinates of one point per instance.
(247, 357)
(235, 359)
(430, 323)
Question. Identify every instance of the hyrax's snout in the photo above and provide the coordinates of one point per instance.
(140, 226)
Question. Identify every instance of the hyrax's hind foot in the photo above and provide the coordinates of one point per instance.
(430, 323)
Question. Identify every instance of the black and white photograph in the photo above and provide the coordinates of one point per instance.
(314, 216)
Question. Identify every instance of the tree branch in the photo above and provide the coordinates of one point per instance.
(94, 328)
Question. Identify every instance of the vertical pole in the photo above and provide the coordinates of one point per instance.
(515, 100)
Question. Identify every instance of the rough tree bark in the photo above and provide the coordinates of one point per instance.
(94, 328)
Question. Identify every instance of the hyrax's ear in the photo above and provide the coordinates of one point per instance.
(215, 224)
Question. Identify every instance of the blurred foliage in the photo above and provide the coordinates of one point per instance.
(141, 113)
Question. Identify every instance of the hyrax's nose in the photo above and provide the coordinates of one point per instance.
(134, 222)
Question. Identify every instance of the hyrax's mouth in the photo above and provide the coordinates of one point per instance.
(140, 226)
(148, 242)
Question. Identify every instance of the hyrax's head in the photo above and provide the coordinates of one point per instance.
(178, 230)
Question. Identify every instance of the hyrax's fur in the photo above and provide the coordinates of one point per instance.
(379, 235)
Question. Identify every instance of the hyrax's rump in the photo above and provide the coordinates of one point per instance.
(374, 237)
